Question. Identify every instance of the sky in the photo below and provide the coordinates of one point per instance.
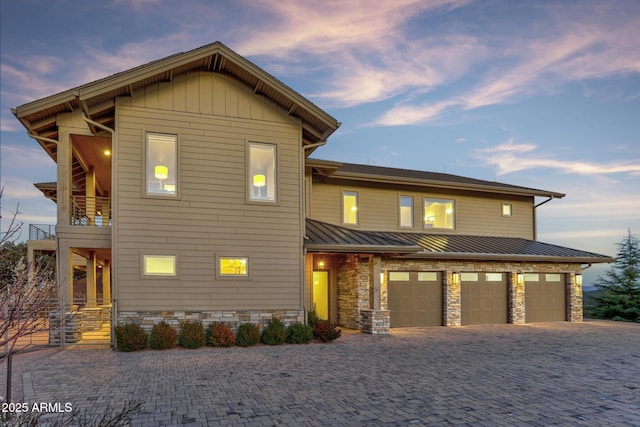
(542, 94)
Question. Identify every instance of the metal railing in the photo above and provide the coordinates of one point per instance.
(91, 211)
(42, 232)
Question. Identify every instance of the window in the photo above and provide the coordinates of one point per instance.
(161, 164)
(507, 209)
(469, 277)
(233, 266)
(262, 172)
(406, 211)
(493, 277)
(399, 276)
(159, 265)
(427, 276)
(438, 213)
(552, 277)
(349, 207)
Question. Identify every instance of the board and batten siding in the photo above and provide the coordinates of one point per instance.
(214, 117)
(379, 211)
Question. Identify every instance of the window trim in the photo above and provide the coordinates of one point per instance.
(342, 210)
(400, 197)
(220, 276)
(249, 178)
(145, 188)
(159, 276)
(453, 221)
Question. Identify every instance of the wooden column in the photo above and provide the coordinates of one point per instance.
(91, 279)
(106, 283)
(90, 193)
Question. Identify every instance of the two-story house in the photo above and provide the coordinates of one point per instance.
(185, 188)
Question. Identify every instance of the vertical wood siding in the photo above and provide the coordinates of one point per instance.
(379, 211)
(214, 117)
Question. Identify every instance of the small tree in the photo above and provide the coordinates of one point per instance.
(25, 292)
(620, 286)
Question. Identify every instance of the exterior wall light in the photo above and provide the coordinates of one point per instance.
(455, 278)
(579, 279)
(520, 278)
(321, 264)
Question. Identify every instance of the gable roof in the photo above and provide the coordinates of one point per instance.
(97, 99)
(324, 237)
(380, 174)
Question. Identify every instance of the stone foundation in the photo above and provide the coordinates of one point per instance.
(233, 318)
(69, 328)
(376, 322)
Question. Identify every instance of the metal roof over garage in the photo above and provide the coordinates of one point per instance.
(324, 237)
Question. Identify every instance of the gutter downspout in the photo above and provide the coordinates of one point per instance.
(535, 217)
(303, 205)
(98, 125)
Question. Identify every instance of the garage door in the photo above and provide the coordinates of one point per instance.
(415, 298)
(545, 298)
(484, 298)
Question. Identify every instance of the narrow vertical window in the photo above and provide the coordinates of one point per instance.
(507, 210)
(349, 207)
(161, 152)
(406, 211)
(262, 172)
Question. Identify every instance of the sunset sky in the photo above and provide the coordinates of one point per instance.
(542, 94)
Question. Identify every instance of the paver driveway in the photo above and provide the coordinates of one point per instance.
(543, 374)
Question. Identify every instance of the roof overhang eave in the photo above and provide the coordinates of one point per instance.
(442, 184)
(509, 257)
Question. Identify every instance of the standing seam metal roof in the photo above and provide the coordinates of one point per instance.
(323, 236)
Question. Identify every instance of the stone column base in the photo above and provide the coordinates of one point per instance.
(375, 321)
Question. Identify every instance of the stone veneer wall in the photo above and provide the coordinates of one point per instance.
(352, 290)
(574, 299)
(233, 318)
(375, 321)
(70, 328)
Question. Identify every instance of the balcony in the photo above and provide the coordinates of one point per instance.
(42, 232)
(91, 211)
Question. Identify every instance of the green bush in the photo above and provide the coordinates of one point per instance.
(191, 334)
(131, 337)
(299, 333)
(248, 334)
(220, 335)
(162, 336)
(312, 317)
(274, 333)
(325, 331)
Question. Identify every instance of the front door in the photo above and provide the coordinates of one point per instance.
(321, 293)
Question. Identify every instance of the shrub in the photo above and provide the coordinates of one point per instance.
(248, 334)
(191, 334)
(131, 337)
(162, 336)
(299, 333)
(274, 333)
(312, 317)
(220, 335)
(325, 331)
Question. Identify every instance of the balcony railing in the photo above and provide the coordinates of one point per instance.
(42, 232)
(91, 211)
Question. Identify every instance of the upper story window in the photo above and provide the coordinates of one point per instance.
(406, 211)
(161, 151)
(350, 207)
(507, 210)
(438, 213)
(262, 172)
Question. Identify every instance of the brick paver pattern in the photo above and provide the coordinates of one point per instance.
(494, 375)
